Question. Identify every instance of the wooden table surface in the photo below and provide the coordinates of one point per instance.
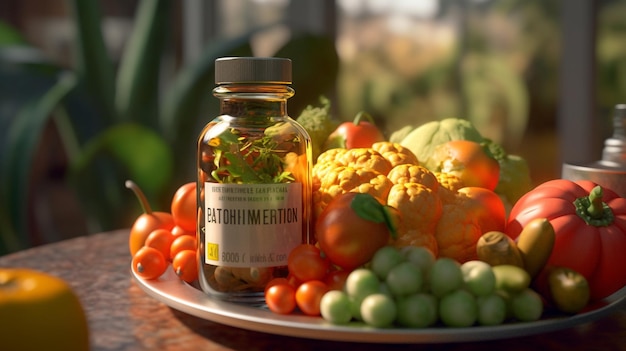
(123, 317)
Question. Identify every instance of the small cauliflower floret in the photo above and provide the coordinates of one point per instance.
(343, 179)
(449, 185)
(395, 153)
(414, 237)
(330, 155)
(407, 173)
(320, 170)
(318, 123)
(458, 230)
(419, 207)
(365, 158)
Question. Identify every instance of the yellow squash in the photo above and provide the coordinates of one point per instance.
(39, 311)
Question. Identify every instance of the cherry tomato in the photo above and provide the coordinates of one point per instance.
(348, 234)
(185, 265)
(293, 280)
(305, 262)
(281, 298)
(183, 242)
(336, 280)
(178, 231)
(184, 207)
(489, 208)
(308, 296)
(146, 222)
(161, 239)
(149, 263)
(276, 281)
(469, 161)
(362, 132)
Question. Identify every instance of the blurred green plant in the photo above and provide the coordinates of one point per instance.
(114, 121)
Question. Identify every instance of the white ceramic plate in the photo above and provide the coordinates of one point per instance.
(181, 296)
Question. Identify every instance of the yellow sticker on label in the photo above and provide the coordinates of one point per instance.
(213, 251)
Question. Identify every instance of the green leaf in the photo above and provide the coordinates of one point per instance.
(145, 156)
(93, 64)
(138, 76)
(367, 207)
(23, 138)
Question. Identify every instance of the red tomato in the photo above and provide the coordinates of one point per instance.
(281, 298)
(589, 239)
(355, 134)
(308, 296)
(149, 263)
(489, 208)
(305, 262)
(345, 232)
(469, 161)
(184, 207)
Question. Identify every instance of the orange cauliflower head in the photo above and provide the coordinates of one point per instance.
(395, 153)
(420, 209)
(458, 231)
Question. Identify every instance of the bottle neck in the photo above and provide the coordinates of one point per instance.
(253, 100)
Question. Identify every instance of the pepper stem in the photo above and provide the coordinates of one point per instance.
(596, 207)
(145, 205)
(592, 210)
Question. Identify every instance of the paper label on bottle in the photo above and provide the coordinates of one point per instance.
(252, 225)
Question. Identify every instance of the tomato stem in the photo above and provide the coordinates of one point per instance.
(363, 116)
(593, 210)
(145, 205)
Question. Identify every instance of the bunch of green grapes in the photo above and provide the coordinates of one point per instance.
(409, 287)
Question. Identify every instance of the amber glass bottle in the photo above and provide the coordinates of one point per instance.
(254, 180)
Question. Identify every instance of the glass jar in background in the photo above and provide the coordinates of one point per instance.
(254, 180)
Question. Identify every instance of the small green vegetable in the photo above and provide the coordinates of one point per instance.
(318, 123)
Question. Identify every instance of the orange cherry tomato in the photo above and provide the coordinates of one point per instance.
(185, 265)
(281, 298)
(183, 242)
(469, 161)
(308, 296)
(161, 239)
(293, 280)
(184, 207)
(146, 222)
(306, 263)
(178, 231)
(149, 263)
(276, 281)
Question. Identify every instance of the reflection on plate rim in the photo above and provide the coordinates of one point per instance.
(170, 290)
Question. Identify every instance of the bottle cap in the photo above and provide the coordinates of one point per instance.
(253, 70)
(614, 151)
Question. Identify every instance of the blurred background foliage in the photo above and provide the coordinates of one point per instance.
(112, 120)
(132, 107)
